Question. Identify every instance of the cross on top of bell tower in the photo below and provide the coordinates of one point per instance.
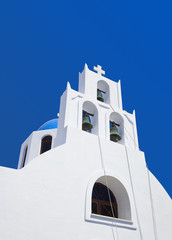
(99, 70)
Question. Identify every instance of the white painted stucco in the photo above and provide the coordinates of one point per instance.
(33, 143)
(50, 198)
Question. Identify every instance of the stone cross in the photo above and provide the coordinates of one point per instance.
(99, 70)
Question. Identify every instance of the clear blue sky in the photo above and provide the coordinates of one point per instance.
(44, 44)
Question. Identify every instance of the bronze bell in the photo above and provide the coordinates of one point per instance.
(114, 135)
(86, 123)
(100, 96)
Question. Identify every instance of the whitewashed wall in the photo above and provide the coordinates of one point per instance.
(50, 198)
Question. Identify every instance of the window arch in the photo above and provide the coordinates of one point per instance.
(24, 158)
(46, 144)
(119, 192)
(103, 201)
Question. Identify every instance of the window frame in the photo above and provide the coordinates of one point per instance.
(102, 203)
(100, 219)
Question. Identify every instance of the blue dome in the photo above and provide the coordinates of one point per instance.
(51, 124)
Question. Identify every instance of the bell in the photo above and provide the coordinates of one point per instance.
(114, 135)
(100, 96)
(86, 123)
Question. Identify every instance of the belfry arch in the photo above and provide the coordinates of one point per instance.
(116, 119)
(103, 89)
(90, 110)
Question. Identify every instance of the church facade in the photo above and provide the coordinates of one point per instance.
(82, 176)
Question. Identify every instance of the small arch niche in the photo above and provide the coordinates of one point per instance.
(46, 144)
(111, 201)
(24, 156)
(116, 127)
(89, 118)
(103, 93)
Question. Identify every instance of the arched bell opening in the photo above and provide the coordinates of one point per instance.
(116, 126)
(103, 93)
(112, 200)
(46, 144)
(89, 118)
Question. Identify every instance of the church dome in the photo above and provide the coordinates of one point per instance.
(51, 124)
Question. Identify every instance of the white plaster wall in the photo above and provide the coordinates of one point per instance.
(47, 199)
(130, 130)
(162, 208)
(34, 145)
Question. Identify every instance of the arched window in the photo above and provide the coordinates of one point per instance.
(103, 201)
(24, 158)
(46, 144)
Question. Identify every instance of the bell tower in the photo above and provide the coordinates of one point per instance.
(103, 138)
(97, 108)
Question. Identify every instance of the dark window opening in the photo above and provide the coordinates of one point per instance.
(103, 201)
(24, 159)
(46, 144)
(94, 207)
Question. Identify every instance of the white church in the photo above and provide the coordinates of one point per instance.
(82, 176)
